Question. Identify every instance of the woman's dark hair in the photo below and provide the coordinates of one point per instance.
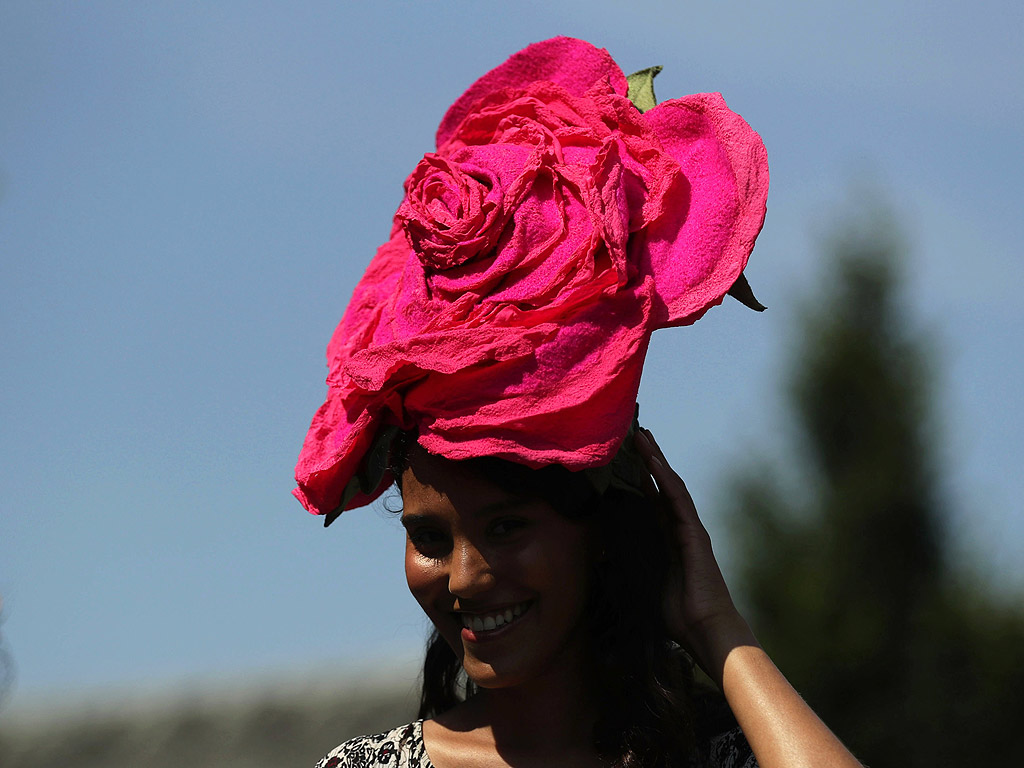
(647, 708)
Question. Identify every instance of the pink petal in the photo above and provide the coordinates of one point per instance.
(726, 165)
(570, 404)
(334, 446)
(573, 64)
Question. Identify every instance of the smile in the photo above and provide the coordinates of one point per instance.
(485, 622)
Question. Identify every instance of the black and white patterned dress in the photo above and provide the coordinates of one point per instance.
(402, 747)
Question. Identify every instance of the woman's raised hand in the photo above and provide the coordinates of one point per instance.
(699, 610)
(781, 728)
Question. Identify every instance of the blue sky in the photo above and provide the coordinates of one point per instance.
(189, 194)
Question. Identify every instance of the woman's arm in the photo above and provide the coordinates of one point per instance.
(781, 729)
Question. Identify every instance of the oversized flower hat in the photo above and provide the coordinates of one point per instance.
(563, 218)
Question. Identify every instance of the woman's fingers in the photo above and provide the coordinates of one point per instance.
(696, 595)
(642, 444)
(669, 482)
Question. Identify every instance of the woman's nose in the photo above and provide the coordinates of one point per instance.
(469, 573)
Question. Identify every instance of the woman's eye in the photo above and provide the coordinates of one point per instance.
(427, 540)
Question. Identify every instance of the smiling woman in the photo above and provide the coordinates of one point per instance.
(536, 582)
(489, 363)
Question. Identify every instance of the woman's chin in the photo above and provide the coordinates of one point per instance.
(488, 677)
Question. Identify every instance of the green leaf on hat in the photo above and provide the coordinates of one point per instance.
(599, 477)
(371, 471)
(378, 458)
(641, 88)
(627, 471)
(742, 292)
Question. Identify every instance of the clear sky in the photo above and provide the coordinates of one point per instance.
(189, 192)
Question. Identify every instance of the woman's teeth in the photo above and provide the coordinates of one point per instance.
(484, 622)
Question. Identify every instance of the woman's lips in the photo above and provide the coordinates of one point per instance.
(480, 627)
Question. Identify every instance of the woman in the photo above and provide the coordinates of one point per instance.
(489, 363)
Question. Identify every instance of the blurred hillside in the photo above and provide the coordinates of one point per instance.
(252, 726)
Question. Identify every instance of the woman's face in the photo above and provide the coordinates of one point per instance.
(503, 578)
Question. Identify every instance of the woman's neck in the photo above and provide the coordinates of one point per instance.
(548, 718)
(544, 713)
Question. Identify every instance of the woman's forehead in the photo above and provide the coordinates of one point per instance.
(427, 469)
(433, 484)
(431, 480)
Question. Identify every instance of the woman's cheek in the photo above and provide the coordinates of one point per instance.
(420, 576)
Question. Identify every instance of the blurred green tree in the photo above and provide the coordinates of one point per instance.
(844, 562)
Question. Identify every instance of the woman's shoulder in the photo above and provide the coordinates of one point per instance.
(401, 747)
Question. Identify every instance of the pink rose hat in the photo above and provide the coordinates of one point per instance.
(562, 219)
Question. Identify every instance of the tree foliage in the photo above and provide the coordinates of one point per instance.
(846, 568)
